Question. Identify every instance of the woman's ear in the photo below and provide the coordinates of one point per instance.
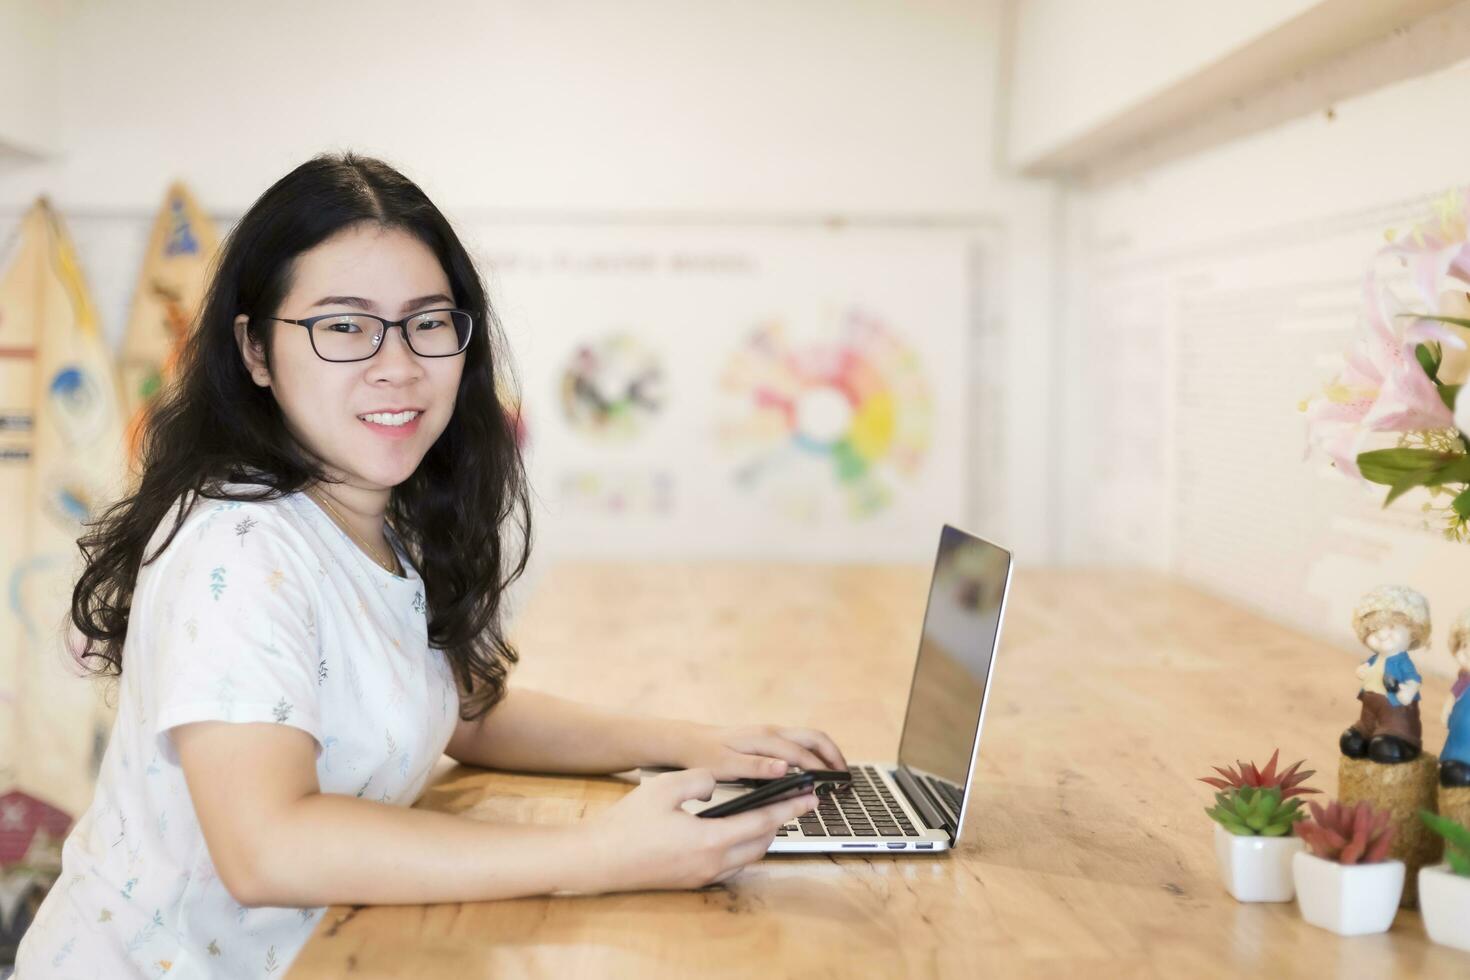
(252, 351)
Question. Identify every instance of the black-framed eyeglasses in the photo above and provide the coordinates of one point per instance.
(358, 336)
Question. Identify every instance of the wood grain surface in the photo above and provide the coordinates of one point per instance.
(1086, 851)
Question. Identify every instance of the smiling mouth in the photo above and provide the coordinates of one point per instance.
(394, 419)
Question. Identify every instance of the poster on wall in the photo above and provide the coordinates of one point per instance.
(726, 391)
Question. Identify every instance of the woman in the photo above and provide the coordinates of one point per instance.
(305, 591)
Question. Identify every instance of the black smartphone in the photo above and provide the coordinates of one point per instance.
(771, 792)
(828, 780)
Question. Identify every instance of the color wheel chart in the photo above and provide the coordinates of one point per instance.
(856, 409)
(613, 388)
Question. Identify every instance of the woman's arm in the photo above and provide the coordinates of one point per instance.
(277, 840)
(529, 731)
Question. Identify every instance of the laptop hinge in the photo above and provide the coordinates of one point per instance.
(934, 814)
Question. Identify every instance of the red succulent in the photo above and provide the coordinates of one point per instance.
(1348, 835)
(1288, 781)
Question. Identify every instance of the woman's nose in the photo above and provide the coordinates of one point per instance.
(394, 354)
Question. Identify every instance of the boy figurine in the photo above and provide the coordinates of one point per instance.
(1454, 761)
(1391, 620)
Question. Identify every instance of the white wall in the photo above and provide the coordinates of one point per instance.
(551, 105)
(27, 105)
(1206, 298)
(644, 110)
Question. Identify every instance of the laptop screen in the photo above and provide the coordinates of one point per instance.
(955, 650)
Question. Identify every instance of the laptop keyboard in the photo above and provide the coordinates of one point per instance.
(945, 792)
(866, 809)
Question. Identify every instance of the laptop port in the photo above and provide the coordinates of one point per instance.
(925, 847)
(896, 845)
(860, 845)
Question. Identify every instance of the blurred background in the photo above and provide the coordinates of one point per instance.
(802, 281)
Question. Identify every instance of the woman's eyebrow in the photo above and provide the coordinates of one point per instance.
(367, 304)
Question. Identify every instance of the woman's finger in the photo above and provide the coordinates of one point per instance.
(784, 748)
(750, 851)
(764, 821)
(743, 766)
(724, 875)
(819, 742)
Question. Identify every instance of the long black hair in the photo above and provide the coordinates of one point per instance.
(213, 425)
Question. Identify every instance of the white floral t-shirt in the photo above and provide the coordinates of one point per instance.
(257, 612)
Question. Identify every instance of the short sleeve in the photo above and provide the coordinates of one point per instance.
(236, 637)
(1400, 667)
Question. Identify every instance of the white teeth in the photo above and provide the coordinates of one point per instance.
(397, 418)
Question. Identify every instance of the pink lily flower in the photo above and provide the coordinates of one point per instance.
(1381, 387)
(1438, 249)
(1408, 400)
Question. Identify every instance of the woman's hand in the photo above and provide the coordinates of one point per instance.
(647, 840)
(754, 751)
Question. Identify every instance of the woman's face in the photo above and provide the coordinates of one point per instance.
(389, 273)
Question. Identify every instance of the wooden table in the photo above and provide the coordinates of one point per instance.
(1087, 851)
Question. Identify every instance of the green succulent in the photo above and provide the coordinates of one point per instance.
(1254, 812)
(1456, 840)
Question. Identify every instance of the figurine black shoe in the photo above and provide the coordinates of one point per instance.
(1353, 744)
(1453, 773)
(1391, 749)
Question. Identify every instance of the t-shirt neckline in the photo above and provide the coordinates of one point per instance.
(410, 573)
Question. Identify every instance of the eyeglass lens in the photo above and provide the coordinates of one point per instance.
(351, 337)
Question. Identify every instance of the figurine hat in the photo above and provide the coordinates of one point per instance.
(1393, 600)
(1460, 632)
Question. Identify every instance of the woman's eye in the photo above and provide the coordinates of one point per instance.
(423, 325)
(342, 326)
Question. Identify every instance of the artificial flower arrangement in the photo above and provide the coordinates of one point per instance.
(1392, 415)
(1346, 882)
(1444, 890)
(1255, 810)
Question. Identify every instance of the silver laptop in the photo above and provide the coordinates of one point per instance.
(917, 804)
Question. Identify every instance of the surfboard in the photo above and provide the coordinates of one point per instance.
(166, 304)
(61, 462)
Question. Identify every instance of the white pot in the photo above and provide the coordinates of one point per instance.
(1349, 899)
(1444, 900)
(1256, 869)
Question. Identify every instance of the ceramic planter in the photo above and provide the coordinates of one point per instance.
(1348, 899)
(1256, 869)
(1444, 901)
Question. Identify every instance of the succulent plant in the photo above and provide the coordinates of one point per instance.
(1456, 840)
(1347, 834)
(1250, 812)
(1288, 781)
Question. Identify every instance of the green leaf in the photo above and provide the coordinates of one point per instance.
(1398, 491)
(1447, 394)
(1429, 360)
(1459, 862)
(1276, 830)
(1456, 835)
(1404, 469)
(1392, 465)
(1227, 820)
